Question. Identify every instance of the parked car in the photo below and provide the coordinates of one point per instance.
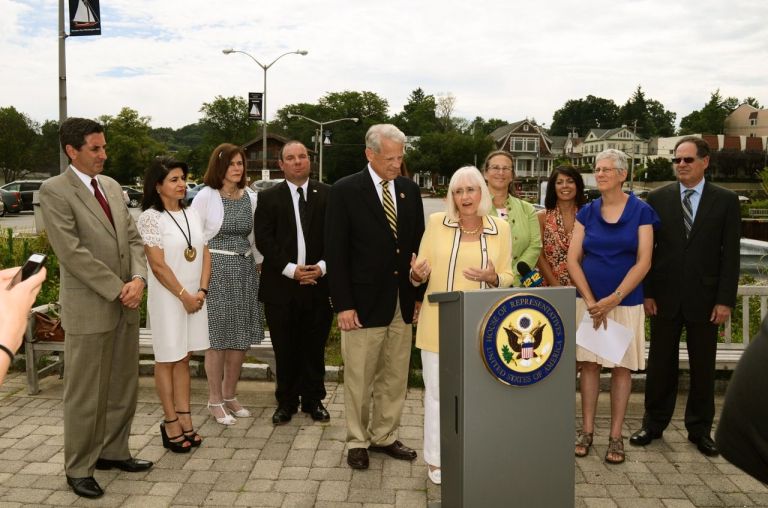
(192, 193)
(134, 196)
(11, 202)
(2, 208)
(260, 185)
(26, 188)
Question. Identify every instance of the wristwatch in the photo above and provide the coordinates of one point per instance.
(618, 293)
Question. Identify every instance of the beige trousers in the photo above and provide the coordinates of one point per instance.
(100, 392)
(375, 381)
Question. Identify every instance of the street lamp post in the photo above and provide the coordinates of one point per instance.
(320, 126)
(264, 96)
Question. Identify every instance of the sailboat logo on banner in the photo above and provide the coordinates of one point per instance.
(85, 18)
(522, 339)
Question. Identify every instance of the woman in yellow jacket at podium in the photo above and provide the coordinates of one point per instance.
(462, 249)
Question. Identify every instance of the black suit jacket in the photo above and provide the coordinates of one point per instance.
(689, 276)
(275, 231)
(367, 268)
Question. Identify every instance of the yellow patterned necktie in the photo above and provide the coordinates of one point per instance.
(389, 207)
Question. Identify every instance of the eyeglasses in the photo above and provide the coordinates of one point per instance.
(687, 160)
(464, 190)
(501, 169)
(603, 170)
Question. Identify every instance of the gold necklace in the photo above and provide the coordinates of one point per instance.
(470, 231)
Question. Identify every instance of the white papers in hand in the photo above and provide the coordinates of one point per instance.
(610, 343)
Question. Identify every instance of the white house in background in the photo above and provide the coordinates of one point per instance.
(664, 148)
(747, 120)
(620, 138)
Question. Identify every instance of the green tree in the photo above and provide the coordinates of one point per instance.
(651, 116)
(581, 115)
(418, 115)
(225, 120)
(48, 148)
(659, 170)
(481, 126)
(445, 152)
(18, 139)
(710, 119)
(130, 148)
(346, 153)
(752, 102)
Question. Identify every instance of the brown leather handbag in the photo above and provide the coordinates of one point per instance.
(47, 328)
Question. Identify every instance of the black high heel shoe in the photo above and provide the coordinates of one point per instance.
(170, 443)
(193, 437)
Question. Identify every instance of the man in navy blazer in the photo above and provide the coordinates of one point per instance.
(368, 255)
(692, 284)
(289, 225)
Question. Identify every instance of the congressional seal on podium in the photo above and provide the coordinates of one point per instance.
(521, 339)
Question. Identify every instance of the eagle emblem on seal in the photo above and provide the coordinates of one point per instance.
(525, 339)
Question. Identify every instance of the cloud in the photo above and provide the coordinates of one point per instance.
(499, 59)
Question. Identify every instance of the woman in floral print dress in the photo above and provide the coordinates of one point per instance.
(565, 195)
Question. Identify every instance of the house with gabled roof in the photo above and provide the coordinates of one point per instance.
(620, 138)
(530, 145)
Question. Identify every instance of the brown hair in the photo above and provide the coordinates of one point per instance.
(702, 147)
(511, 188)
(218, 164)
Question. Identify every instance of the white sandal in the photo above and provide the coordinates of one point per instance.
(240, 413)
(227, 419)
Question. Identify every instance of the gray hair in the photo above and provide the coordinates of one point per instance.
(618, 157)
(474, 177)
(382, 130)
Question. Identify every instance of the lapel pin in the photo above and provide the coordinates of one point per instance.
(402, 195)
(314, 190)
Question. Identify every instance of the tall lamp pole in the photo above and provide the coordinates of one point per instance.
(264, 97)
(320, 126)
(63, 160)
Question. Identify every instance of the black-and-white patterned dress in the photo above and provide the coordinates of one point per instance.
(235, 315)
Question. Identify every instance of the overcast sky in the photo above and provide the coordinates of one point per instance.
(500, 58)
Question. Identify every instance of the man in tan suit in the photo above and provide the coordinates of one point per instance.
(103, 271)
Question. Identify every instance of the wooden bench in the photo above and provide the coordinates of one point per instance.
(34, 350)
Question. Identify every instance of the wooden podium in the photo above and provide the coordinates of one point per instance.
(507, 404)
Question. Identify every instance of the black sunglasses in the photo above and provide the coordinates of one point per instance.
(678, 160)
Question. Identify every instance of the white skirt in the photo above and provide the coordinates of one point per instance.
(633, 317)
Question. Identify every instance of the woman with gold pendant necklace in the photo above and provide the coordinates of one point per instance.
(180, 269)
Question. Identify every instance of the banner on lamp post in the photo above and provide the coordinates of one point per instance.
(254, 105)
(84, 17)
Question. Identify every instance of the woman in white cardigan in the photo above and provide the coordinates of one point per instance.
(235, 315)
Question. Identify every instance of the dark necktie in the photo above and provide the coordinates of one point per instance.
(389, 207)
(302, 211)
(688, 211)
(102, 200)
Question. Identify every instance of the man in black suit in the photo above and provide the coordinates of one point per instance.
(376, 220)
(289, 225)
(692, 283)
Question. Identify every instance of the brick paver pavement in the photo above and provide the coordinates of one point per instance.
(304, 463)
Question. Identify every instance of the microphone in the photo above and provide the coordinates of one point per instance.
(529, 278)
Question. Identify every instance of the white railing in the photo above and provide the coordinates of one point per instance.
(746, 293)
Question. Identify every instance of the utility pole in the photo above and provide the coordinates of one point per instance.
(632, 170)
(63, 160)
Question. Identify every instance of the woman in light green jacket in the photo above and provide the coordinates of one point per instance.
(499, 172)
